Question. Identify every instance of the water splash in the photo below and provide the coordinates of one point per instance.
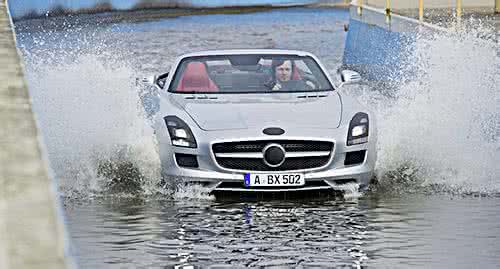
(440, 132)
(93, 124)
(349, 190)
(191, 192)
(98, 137)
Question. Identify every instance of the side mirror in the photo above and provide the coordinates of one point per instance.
(349, 77)
(161, 80)
(154, 80)
(147, 80)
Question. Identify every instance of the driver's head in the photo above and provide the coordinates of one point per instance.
(282, 70)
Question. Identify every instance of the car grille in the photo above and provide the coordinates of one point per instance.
(247, 155)
(258, 146)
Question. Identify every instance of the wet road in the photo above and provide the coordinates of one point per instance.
(381, 232)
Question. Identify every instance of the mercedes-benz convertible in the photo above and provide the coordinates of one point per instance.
(261, 121)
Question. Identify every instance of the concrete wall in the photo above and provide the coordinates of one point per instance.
(380, 49)
(374, 51)
(30, 231)
(373, 48)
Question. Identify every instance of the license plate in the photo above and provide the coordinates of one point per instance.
(267, 180)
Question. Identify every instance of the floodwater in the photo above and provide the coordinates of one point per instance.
(415, 231)
(429, 210)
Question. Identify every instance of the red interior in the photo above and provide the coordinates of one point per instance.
(296, 73)
(195, 79)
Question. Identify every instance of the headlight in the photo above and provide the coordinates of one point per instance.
(179, 132)
(358, 129)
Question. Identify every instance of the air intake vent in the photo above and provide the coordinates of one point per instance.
(312, 96)
(355, 157)
(186, 160)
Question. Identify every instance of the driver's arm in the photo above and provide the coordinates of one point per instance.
(310, 84)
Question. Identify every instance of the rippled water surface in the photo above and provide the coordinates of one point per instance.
(415, 231)
(429, 210)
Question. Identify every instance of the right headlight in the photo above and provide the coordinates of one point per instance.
(180, 133)
(358, 129)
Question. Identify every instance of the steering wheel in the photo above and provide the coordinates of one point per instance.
(312, 82)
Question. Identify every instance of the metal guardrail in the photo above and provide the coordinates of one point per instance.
(419, 9)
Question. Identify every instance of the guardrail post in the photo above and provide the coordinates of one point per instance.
(421, 10)
(387, 11)
(360, 7)
(459, 10)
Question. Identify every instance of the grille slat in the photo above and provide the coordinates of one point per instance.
(258, 164)
(257, 146)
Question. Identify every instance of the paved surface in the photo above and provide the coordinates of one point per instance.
(30, 233)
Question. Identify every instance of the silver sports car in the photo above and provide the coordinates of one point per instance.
(261, 120)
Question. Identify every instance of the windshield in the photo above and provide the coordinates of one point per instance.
(249, 74)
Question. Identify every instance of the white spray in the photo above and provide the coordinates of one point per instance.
(441, 131)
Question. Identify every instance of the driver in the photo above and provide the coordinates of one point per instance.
(283, 71)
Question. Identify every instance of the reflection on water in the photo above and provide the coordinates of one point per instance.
(393, 232)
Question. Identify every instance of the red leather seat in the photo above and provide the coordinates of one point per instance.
(296, 74)
(195, 79)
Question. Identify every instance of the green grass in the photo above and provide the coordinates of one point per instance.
(141, 13)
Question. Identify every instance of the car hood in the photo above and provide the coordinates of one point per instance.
(279, 110)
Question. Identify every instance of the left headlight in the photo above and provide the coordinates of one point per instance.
(358, 129)
(180, 133)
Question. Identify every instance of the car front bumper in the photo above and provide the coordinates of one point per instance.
(332, 179)
(333, 176)
(210, 174)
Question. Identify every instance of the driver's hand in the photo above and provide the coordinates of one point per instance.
(310, 84)
(276, 87)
